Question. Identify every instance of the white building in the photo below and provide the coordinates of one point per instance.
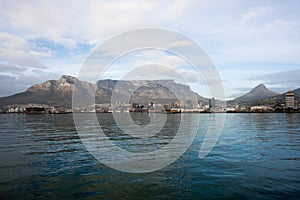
(289, 100)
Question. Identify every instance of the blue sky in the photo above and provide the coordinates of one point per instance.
(250, 42)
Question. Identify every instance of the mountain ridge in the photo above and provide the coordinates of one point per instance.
(59, 92)
(257, 93)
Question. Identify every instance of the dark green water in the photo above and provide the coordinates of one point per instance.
(256, 157)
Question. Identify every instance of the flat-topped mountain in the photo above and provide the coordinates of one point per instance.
(59, 92)
(143, 91)
(257, 93)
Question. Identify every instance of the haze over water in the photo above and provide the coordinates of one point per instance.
(256, 157)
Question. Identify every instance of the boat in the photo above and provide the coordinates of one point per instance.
(172, 111)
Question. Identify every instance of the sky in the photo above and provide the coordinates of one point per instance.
(250, 42)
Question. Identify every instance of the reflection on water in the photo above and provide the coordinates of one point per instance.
(257, 156)
(143, 144)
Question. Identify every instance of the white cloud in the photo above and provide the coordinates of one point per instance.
(21, 64)
(68, 23)
(48, 19)
(176, 9)
(152, 65)
(231, 32)
(283, 79)
(256, 12)
(11, 84)
(15, 50)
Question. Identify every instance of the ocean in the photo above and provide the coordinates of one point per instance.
(256, 157)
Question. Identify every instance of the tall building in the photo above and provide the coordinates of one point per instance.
(289, 100)
(211, 102)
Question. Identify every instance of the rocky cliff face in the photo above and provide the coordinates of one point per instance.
(64, 84)
(51, 92)
(143, 91)
(59, 92)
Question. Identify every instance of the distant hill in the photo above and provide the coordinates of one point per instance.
(258, 93)
(59, 92)
(278, 99)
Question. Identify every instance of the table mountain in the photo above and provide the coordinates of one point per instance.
(59, 92)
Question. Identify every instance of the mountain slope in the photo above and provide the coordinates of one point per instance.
(59, 92)
(143, 91)
(257, 93)
(51, 92)
(278, 99)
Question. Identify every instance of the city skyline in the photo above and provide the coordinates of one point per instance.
(250, 42)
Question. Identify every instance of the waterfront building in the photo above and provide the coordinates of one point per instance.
(212, 102)
(261, 109)
(289, 100)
